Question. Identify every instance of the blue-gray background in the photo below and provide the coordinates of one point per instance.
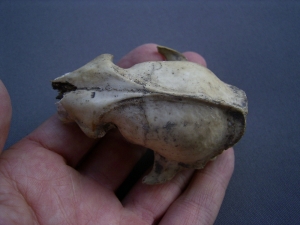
(254, 45)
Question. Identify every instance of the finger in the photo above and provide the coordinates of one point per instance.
(201, 201)
(148, 52)
(66, 140)
(195, 57)
(150, 202)
(111, 160)
(143, 53)
(5, 114)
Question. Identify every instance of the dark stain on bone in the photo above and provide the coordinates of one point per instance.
(169, 125)
(146, 128)
(139, 82)
(184, 165)
(158, 167)
(108, 87)
(93, 94)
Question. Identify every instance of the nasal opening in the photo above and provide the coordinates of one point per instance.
(63, 87)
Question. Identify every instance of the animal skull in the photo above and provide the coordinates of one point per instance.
(179, 109)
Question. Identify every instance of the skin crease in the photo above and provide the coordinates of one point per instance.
(56, 175)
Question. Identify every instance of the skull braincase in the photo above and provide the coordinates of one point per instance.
(179, 109)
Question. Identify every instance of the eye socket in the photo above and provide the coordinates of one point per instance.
(63, 87)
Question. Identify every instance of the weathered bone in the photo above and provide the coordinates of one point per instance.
(179, 109)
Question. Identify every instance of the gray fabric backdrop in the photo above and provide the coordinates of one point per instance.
(254, 45)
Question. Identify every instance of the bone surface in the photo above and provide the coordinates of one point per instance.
(179, 109)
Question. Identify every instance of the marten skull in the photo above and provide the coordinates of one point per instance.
(179, 109)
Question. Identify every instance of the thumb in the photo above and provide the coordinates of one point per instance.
(5, 114)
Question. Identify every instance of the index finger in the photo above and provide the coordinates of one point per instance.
(66, 140)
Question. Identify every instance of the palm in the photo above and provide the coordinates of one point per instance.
(57, 175)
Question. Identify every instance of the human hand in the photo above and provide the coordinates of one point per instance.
(57, 175)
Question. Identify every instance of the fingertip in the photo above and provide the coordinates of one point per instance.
(5, 114)
(227, 159)
(229, 154)
(5, 98)
(143, 53)
(195, 57)
(221, 169)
